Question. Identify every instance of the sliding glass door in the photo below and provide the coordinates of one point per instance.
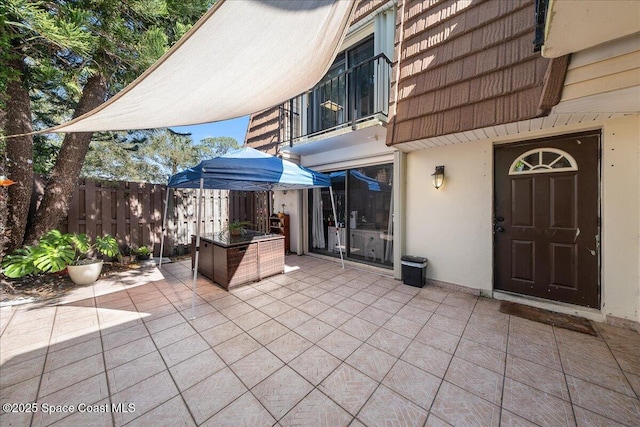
(364, 224)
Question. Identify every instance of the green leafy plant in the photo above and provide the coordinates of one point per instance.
(236, 228)
(142, 253)
(20, 263)
(55, 251)
(142, 250)
(81, 243)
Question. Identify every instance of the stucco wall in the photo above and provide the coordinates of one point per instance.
(621, 218)
(290, 199)
(452, 226)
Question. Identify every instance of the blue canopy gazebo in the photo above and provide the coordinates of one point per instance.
(245, 169)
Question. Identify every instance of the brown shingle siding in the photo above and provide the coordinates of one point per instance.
(528, 101)
(263, 118)
(453, 72)
(404, 130)
(465, 33)
(269, 127)
(450, 121)
(524, 75)
(517, 50)
(486, 60)
(427, 125)
(465, 65)
(519, 20)
(467, 116)
(431, 81)
(403, 111)
(489, 10)
(414, 9)
(264, 130)
(490, 86)
(463, 45)
(428, 103)
(460, 93)
(541, 69)
(365, 8)
(484, 113)
(507, 108)
(553, 83)
(469, 67)
(258, 129)
(414, 107)
(445, 54)
(443, 99)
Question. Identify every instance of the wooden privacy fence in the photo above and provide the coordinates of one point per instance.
(250, 206)
(219, 208)
(132, 213)
(182, 217)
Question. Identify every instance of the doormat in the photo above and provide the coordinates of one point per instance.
(565, 321)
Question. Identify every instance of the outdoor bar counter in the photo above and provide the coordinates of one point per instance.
(235, 260)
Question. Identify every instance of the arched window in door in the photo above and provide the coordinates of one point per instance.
(543, 160)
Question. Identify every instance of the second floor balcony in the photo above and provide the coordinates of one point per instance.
(343, 100)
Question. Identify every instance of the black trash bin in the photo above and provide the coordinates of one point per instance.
(413, 270)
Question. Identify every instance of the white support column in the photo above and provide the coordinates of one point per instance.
(399, 218)
(197, 249)
(164, 226)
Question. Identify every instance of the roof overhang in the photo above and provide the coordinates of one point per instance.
(575, 25)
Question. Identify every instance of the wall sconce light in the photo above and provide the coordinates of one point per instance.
(438, 177)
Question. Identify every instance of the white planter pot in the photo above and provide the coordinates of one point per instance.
(85, 274)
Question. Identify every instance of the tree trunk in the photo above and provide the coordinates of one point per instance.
(64, 176)
(19, 152)
(4, 191)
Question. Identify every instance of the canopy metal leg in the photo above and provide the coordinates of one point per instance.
(164, 225)
(195, 269)
(333, 207)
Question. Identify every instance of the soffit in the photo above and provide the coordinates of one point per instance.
(514, 131)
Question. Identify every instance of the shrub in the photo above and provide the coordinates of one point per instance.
(143, 250)
(55, 251)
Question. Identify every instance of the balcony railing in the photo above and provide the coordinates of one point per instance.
(353, 96)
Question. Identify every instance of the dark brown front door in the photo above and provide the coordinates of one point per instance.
(546, 232)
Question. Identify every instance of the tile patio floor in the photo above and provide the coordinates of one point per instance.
(315, 346)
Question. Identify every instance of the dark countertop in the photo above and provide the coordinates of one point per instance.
(225, 240)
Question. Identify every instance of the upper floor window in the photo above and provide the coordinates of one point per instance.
(346, 89)
(350, 57)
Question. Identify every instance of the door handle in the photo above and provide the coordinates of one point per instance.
(500, 229)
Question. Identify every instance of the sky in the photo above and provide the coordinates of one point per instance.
(235, 128)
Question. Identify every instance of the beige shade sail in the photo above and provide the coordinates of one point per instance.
(241, 57)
